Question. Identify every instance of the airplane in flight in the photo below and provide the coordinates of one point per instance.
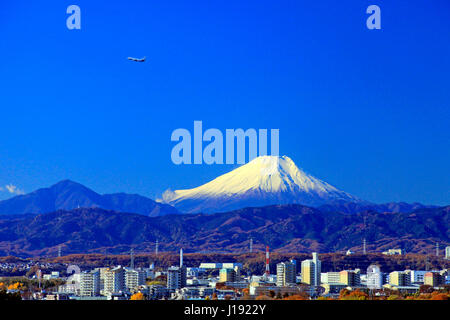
(136, 59)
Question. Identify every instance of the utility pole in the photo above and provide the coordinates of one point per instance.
(251, 245)
(334, 257)
(437, 249)
(156, 248)
(365, 235)
(39, 276)
(132, 259)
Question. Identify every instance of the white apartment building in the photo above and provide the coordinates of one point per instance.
(135, 278)
(114, 280)
(90, 283)
(176, 278)
(286, 274)
(331, 277)
(374, 278)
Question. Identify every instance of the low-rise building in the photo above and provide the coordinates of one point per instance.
(333, 288)
(157, 292)
(219, 265)
(403, 289)
(237, 285)
(57, 296)
(394, 252)
(434, 279)
(267, 290)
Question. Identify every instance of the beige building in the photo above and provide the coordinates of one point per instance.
(311, 270)
(227, 275)
(350, 278)
(400, 278)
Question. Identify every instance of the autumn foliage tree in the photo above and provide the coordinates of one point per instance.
(14, 286)
(353, 295)
(138, 296)
(439, 296)
(295, 297)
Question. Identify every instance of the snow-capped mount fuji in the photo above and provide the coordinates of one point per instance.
(266, 180)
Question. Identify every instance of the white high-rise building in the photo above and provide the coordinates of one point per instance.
(286, 274)
(374, 277)
(90, 283)
(114, 280)
(135, 278)
(311, 270)
(176, 278)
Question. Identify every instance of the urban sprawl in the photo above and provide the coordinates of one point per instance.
(291, 280)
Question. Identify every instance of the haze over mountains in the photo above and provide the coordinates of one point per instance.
(69, 195)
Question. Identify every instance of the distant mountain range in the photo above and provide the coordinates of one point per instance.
(266, 180)
(285, 228)
(69, 195)
(354, 207)
(264, 199)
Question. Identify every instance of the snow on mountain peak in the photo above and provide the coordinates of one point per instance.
(264, 180)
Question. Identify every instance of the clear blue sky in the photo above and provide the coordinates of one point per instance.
(367, 111)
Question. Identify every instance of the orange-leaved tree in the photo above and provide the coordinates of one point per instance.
(137, 296)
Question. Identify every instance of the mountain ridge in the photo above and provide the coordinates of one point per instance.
(68, 194)
(285, 228)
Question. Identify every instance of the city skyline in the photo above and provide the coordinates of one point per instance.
(365, 278)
